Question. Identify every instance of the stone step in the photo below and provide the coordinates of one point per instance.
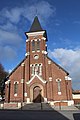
(37, 106)
(31, 106)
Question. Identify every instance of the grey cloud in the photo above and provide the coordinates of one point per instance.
(8, 27)
(70, 60)
(43, 9)
(9, 38)
(13, 15)
(10, 18)
(7, 53)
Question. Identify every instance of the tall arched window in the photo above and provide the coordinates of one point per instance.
(40, 69)
(59, 85)
(36, 68)
(38, 44)
(32, 70)
(33, 45)
(15, 88)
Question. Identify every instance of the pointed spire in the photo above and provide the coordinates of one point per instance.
(35, 25)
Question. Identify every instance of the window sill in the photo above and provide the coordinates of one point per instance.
(59, 93)
(33, 51)
(38, 50)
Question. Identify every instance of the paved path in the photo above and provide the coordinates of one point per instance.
(71, 114)
(39, 115)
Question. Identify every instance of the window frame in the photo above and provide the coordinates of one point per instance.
(33, 45)
(16, 88)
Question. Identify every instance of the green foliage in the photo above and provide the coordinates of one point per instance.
(3, 75)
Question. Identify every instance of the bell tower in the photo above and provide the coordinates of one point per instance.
(36, 49)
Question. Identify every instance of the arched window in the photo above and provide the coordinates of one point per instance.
(38, 44)
(59, 85)
(32, 70)
(33, 45)
(36, 68)
(15, 88)
(40, 69)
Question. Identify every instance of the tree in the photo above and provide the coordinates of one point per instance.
(3, 75)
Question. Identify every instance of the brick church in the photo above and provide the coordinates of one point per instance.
(38, 78)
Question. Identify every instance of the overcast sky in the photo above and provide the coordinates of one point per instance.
(61, 19)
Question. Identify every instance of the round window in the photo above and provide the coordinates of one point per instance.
(36, 56)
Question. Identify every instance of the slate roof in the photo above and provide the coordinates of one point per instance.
(36, 26)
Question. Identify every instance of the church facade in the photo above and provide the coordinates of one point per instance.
(38, 78)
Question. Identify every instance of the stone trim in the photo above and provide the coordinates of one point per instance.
(15, 95)
(33, 51)
(44, 52)
(7, 82)
(35, 39)
(27, 40)
(38, 50)
(31, 90)
(26, 54)
(45, 99)
(16, 81)
(28, 100)
(58, 79)
(76, 96)
(25, 94)
(22, 64)
(68, 78)
(22, 80)
(43, 81)
(19, 105)
(59, 93)
(69, 102)
(37, 33)
(50, 78)
(43, 38)
(49, 62)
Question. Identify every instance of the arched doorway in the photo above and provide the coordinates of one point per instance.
(37, 96)
(33, 90)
